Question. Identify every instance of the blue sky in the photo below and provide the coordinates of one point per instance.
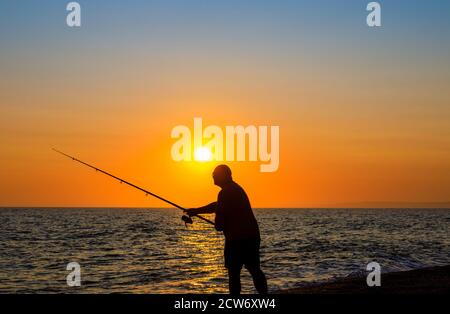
(345, 95)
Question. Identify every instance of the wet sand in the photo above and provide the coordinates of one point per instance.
(433, 280)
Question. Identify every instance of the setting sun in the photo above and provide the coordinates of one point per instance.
(202, 154)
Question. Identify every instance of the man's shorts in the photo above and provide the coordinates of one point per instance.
(240, 253)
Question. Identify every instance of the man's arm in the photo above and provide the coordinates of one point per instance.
(207, 209)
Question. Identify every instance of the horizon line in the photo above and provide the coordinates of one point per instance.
(444, 205)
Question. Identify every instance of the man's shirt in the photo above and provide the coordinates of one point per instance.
(234, 215)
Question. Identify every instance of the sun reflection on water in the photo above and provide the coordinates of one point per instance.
(205, 264)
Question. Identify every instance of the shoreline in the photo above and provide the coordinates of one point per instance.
(430, 280)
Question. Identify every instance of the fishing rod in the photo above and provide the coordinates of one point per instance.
(185, 218)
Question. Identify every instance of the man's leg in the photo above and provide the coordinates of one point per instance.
(253, 266)
(234, 280)
(259, 279)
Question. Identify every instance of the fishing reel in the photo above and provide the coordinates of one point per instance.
(187, 220)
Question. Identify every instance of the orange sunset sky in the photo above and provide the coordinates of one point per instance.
(363, 114)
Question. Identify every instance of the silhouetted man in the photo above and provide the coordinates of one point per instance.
(234, 216)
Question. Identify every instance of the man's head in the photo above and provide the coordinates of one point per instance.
(222, 175)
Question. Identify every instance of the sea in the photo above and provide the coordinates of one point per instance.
(151, 251)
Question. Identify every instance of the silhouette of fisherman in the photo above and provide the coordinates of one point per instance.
(234, 216)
